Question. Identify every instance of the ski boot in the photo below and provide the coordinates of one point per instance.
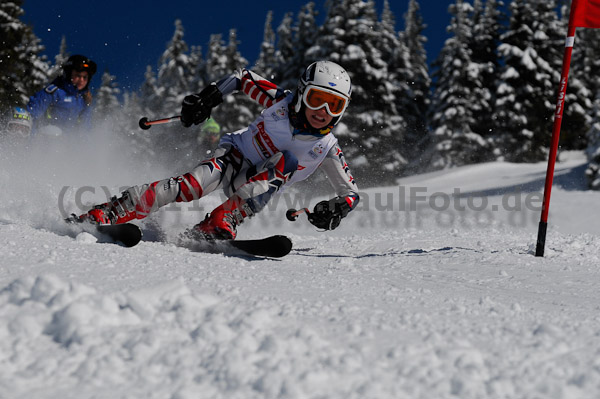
(117, 211)
(222, 222)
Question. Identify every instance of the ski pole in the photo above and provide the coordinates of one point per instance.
(146, 124)
(292, 214)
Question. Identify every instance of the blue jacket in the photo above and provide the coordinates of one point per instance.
(62, 105)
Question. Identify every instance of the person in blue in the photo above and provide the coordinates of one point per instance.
(64, 106)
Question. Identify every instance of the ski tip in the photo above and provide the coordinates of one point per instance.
(127, 234)
(282, 247)
(72, 219)
(271, 247)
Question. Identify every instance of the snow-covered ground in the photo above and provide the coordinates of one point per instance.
(429, 290)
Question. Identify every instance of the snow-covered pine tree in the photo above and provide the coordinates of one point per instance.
(234, 57)
(305, 33)
(531, 53)
(23, 69)
(457, 94)
(488, 22)
(197, 67)
(586, 67)
(59, 59)
(148, 143)
(237, 110)
(582, 87)
(106, 100)
(140, 143)
(387, 29)
(367, 132)
(132, 109)
(161, 96)
(34, 75)
(150, 95)
(174, 72)
(398, 90)
(175, 75)
(410, 70)
(216, 65)
(592, 171)
(285, 50)
(267, 62)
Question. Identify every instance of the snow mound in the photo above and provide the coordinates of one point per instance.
(162, 341)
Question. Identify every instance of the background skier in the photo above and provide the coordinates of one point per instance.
(210, 134)
(285, 144)
(65, 103)
(16, 125)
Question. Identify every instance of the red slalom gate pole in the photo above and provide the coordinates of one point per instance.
(558, 116)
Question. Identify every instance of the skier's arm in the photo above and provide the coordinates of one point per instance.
(40, 101)
(196, 108)
(253, 85)
(335, 167)
(328, 214)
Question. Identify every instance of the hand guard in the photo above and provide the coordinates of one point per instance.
(328, 214)
(196, 108)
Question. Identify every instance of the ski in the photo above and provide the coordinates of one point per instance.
(127, 234)
(276, 246)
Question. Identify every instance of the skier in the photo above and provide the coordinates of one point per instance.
(16, 125)
(285, 144)
(65, 104)
(210, 133)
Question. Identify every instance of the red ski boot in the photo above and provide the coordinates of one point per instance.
(222, 222)
(117, 211)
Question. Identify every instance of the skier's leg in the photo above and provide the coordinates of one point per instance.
(253, 190)
(204, 179)
(137, 202)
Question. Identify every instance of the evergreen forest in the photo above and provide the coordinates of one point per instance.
(489, 95)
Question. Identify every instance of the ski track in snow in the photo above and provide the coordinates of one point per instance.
(394, 304)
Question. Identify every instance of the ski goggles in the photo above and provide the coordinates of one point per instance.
(318, 97)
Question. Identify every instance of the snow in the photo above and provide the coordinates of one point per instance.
(430, 289)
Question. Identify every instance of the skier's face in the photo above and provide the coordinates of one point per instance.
(79, 79)
(318, 118)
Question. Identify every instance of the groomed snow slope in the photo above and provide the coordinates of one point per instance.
(419, 294)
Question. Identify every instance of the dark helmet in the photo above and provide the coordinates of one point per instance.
(79, 63)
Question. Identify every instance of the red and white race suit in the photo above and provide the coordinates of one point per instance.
(255, 162)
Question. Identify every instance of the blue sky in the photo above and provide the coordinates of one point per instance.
(126, 36)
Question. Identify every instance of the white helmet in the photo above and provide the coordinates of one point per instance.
(324, 84)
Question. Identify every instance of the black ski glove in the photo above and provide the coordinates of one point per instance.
(196, 108)
(328, 214)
